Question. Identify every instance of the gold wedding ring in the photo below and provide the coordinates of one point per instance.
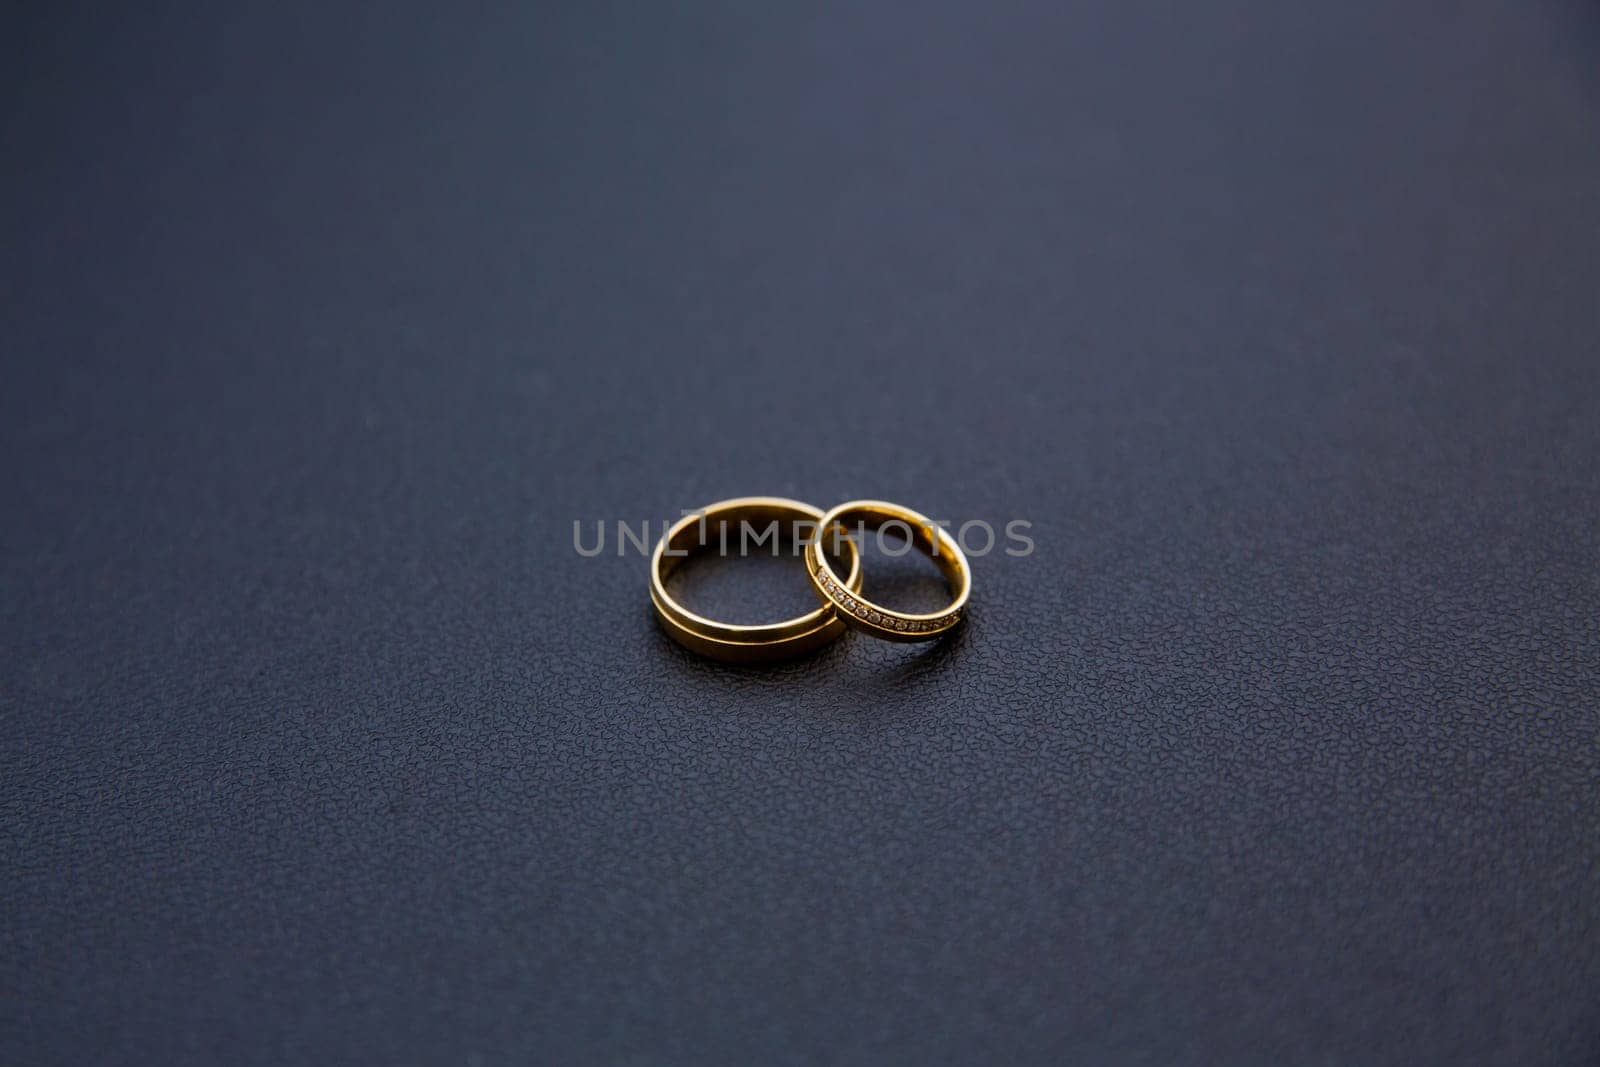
(731, 642)
(859, 613)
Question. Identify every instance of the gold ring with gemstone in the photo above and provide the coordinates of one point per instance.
(859, 613)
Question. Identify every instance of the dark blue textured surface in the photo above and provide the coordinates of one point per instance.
(1277, 320)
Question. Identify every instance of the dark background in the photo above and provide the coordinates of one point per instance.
(320, 326)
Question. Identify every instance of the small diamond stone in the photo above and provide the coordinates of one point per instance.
(874, 616)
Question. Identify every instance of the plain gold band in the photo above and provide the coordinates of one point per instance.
(733, 642)
(859, 613)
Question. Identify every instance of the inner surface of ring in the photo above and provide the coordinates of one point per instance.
(687, 539)
(921, 535)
